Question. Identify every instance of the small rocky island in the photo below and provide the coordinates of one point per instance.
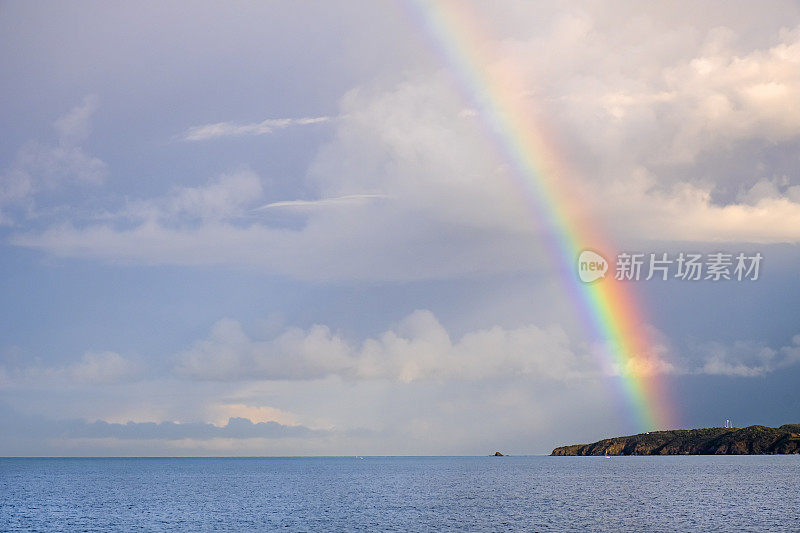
(752, 440)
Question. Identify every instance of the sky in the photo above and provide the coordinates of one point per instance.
(289, 228)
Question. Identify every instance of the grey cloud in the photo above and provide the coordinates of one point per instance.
(236, 428)
(747, 359)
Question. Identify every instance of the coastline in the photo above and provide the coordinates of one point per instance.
(751, 440)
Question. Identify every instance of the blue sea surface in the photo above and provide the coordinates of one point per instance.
(534, 493)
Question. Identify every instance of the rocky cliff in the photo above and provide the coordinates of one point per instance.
(709, 441)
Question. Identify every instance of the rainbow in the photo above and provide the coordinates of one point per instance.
(607, 306)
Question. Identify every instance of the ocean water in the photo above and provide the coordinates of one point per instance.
(535, 493)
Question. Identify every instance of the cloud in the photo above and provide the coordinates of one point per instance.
(724, 95)
(234, 428)
(93, 368)
(368, 241)
(323, 202)
(231, 129)
(663, 123)
(229, 354)
(226, 197)
(638, 207)
(747, 359)
(447, 214)
(418, 349)
(40, 168)
(649, 119)
(222, 412)
(74, 127)
(102, 367)
(421, 349)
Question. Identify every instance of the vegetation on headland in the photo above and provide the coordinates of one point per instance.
(751, 440)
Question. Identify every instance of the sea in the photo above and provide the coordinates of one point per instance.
(530, 493)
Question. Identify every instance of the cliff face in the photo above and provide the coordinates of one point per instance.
(710, 441)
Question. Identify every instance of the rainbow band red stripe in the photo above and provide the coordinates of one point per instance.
(606, 306)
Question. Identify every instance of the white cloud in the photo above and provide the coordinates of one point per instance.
(231, 129)
(93, 368)
(228, 196)
(634, 110)
(39, 167)
(229, 354)
(418, 349)
(702, 101)
(102, 367)
(414, 144)
(74, 127)
(323, 202)
(639, 207)
(421, 349)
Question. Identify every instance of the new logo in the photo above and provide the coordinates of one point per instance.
(591, 266)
